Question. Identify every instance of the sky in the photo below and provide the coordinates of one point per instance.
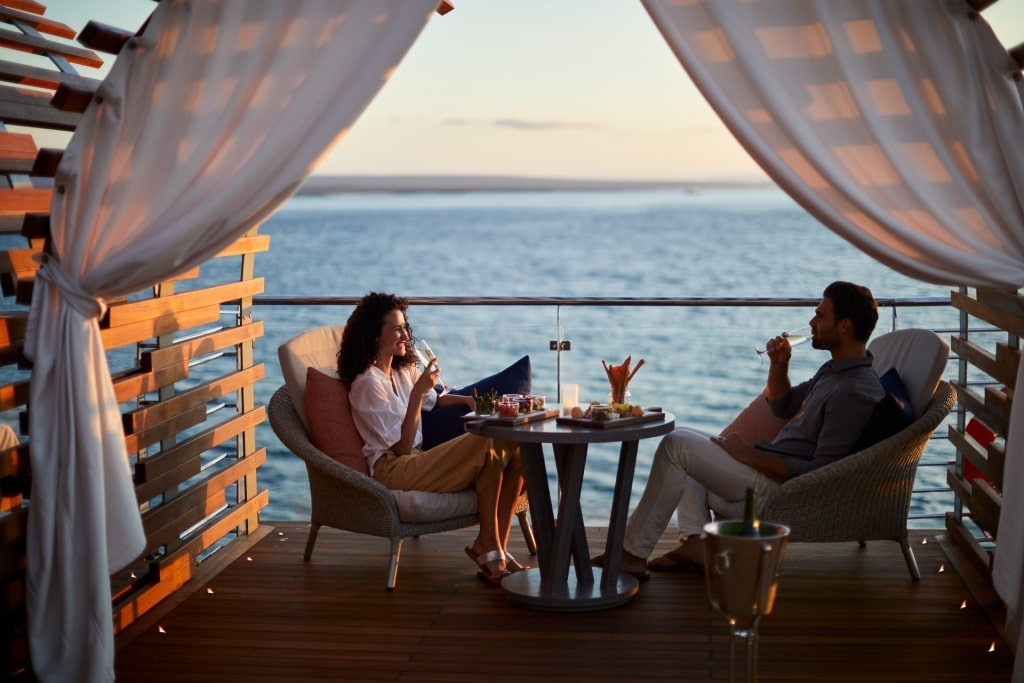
(582, 89)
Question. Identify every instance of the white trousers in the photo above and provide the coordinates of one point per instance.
(692, 476)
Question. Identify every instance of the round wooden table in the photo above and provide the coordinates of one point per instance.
(550, 586)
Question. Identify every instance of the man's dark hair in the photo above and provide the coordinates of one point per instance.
(856, 304)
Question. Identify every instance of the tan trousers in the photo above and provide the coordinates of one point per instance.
(451, 466)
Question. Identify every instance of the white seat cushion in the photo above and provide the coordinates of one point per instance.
(919, 357)
(423, 506)
(315, 348)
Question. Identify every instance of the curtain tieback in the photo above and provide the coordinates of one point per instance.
(83, 302)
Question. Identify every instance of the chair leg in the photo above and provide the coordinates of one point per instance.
(314, 528)
(524, 524)
(396, 550)
(908, 555)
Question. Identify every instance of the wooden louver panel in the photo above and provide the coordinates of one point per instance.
(989, 356)
(180, 353)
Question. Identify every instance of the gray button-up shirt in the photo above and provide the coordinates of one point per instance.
(828, 414)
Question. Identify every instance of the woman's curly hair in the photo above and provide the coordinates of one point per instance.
(361, 338)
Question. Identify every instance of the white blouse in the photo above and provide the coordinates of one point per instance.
(378, 408)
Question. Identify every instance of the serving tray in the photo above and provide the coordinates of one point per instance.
(523, 418)
(648, 416)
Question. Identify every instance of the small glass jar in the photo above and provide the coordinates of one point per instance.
(485, 406)
(508, 408)
(623, 399)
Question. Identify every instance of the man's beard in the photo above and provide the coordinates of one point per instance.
(824, 343)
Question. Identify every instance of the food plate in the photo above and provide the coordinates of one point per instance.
(517, 420)
(648, 416)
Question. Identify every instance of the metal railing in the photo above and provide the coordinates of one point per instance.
(558, 303)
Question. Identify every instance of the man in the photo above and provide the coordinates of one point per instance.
(698, 472)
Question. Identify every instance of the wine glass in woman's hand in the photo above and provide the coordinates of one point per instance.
(425, 355)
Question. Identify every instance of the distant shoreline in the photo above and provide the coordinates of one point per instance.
(323, 185)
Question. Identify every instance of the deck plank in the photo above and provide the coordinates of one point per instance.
(843, 613)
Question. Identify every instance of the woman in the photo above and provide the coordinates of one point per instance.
(387, 392)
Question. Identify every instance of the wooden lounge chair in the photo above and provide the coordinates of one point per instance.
(346, 499)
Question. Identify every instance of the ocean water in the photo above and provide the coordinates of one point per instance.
(699, 360)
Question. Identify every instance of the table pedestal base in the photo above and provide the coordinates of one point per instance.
(524, 589)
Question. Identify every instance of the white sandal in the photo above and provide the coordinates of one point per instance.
(482, 560)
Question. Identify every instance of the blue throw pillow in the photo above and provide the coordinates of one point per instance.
(444, 423)
(893, 384)
(893, 414)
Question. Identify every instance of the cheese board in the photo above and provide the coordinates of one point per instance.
(522, 418)
(648, 416)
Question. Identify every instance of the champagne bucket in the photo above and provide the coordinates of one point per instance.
(742, 572)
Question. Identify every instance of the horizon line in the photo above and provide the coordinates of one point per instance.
(334, 184)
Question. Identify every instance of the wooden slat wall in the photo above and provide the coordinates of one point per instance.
(181, 355)
(988, 373)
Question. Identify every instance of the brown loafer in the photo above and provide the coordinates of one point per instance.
(598, 561)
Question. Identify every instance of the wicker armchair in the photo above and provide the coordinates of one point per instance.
(864, 496)
(345, 499)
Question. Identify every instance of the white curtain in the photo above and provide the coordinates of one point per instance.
(206, 124)
(898, 125)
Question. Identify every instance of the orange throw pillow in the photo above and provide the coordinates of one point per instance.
(756, 422)
(330, 420)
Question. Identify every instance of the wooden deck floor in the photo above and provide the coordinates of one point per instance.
(843, 613)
